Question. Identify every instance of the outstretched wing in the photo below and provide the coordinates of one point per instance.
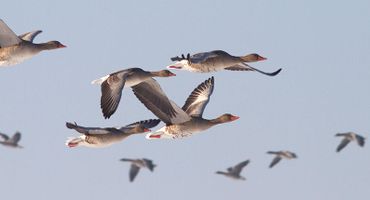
(126, 159)
(152, 96)
(7, 36)
(134, 170)
(30, 35)
(360, 140)
(150, 123)
(16, 137)
(238, 168)
(275, 161)
(199, 98)
(343, 144)
(149, 164)
(202, 57)
(4, 136)
(111, 90)
(90, 130)
(245, 67)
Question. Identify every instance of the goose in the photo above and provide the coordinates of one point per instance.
(15, 49)
(185, 121)
(234, 172)
(11, 141)
(217, 60)
(348, 137)
(136, 164)
(103, 137)
(280, 155)
(112, 85)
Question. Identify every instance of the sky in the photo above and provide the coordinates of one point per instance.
(322, 46)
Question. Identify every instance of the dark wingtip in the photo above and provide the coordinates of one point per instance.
(70, 125)
(276, 72)
(175, 58)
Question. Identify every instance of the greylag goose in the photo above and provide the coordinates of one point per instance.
(11, 141)
(136, 164)
(183, 121)
(102, 137)
(15, 49)
(234, 172)
(348, 137)
(112, 85)
(217, 60)
(280, 155)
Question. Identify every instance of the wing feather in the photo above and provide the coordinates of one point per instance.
(7, 36)
(199, 98)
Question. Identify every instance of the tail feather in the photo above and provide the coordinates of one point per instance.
(100, 80)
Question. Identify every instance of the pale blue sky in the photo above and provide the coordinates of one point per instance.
(322, 46)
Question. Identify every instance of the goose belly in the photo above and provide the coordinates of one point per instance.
(14, 55)
(103, 140)
(186, 130)
(212, 66)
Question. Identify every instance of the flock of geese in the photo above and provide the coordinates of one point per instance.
(179, 121)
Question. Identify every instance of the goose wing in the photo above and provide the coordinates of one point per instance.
(30, 35)
(245, 67)
(343, 144)
(90, 130)
(152, 96)
(7, 36)
(275, 161)
(134, 170)
(15, 138)
(4, 136)
(149, 164)
(238, 168)
(199, 98)
(111, 90)
(360, 140)
(150, 123)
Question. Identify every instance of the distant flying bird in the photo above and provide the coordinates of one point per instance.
(136, 164)
(217, 60)
(11, 141)
(348, 137)
(15, 49)
(182, 122)
(234, 172)
(102, 137)
(280, 155)
(112, 85)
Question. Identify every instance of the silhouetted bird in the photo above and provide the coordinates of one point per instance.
(348, 137)
(136, 164)
(280, 155)
(234, 172)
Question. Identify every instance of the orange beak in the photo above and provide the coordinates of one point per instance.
(62, 46)
(260, 58)
(174, 67)
(233, 118)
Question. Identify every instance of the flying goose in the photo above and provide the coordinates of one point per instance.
(15, 49)
(112, 85)
(217, 60)
(136, 164)
(234, 172)
(11, 141)
(280, 155)
(185, 121)
(102, 137)
(348, 137)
